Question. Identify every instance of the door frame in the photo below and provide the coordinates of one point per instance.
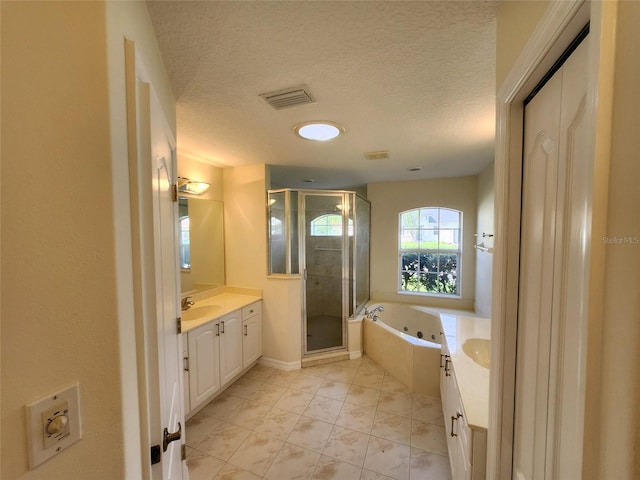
(560, 24)
(302, 235)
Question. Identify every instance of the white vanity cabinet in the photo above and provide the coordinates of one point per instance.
(203, 363)
(251, 334)
(218, 351)
(467, 445)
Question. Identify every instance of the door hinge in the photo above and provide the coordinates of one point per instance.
(174, 192)
(184, 451)
(179, 324)
(156, 454)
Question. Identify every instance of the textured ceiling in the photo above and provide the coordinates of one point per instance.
(415, 78)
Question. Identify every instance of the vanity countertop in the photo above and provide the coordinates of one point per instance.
(223, 302)
(472, 378)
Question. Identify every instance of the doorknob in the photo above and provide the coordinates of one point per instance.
(170, 437)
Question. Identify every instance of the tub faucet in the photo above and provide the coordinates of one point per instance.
(186, 303)
(372, 313)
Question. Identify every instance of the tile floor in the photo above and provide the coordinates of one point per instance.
(345, 420)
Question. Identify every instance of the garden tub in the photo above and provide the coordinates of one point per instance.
(405, 340)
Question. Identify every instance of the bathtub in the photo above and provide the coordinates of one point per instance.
(393, 342)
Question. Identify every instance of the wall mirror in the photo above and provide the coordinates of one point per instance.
(201, 240)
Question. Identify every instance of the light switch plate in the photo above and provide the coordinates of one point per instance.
(42, 445)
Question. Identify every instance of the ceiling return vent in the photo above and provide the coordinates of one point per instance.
(379, 155)
(289, 97)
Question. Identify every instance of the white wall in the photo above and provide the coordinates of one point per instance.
(388, 199)
(484, 260)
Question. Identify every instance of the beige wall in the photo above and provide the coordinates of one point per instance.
(204, 172)
(611, 445)
(388, 199)
(515, 23)
(59, 316)
(246, 263)
(484, 260)
(67, 312)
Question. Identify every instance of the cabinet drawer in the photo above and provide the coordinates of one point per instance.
(251, 310)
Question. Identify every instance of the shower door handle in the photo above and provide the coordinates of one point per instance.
(304, 274)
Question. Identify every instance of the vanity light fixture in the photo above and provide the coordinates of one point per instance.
(191, 186)
(319, 130)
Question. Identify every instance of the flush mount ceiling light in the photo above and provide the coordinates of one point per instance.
(193, 187)
(320, 131)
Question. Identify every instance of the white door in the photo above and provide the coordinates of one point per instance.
(155, 270)
(553, 274)
(163, 158)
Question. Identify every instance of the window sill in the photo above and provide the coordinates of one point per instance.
(427, 294)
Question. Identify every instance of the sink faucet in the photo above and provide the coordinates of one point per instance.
(186, 303)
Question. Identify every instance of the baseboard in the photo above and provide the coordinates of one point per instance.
(355, 354)
(279, 364)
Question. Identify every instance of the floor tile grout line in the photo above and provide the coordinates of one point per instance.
(263, 383)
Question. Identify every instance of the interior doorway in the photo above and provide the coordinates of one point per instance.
(560, 25)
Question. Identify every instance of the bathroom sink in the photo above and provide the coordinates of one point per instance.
(200, 312)
(479, 350)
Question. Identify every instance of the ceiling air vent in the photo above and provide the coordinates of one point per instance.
(379, 155)
(289, 97)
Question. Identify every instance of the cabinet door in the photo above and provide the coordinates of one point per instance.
(204, 375)
(230, 346)
(251, 340)
(251, 333)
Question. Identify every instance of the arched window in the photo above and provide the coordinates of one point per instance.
(329, 225)
(430, 250)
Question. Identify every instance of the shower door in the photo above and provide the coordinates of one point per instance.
(325, 233)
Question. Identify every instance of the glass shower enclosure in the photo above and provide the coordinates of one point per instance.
(323, 236)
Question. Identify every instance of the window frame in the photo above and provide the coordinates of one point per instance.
(437, 251)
